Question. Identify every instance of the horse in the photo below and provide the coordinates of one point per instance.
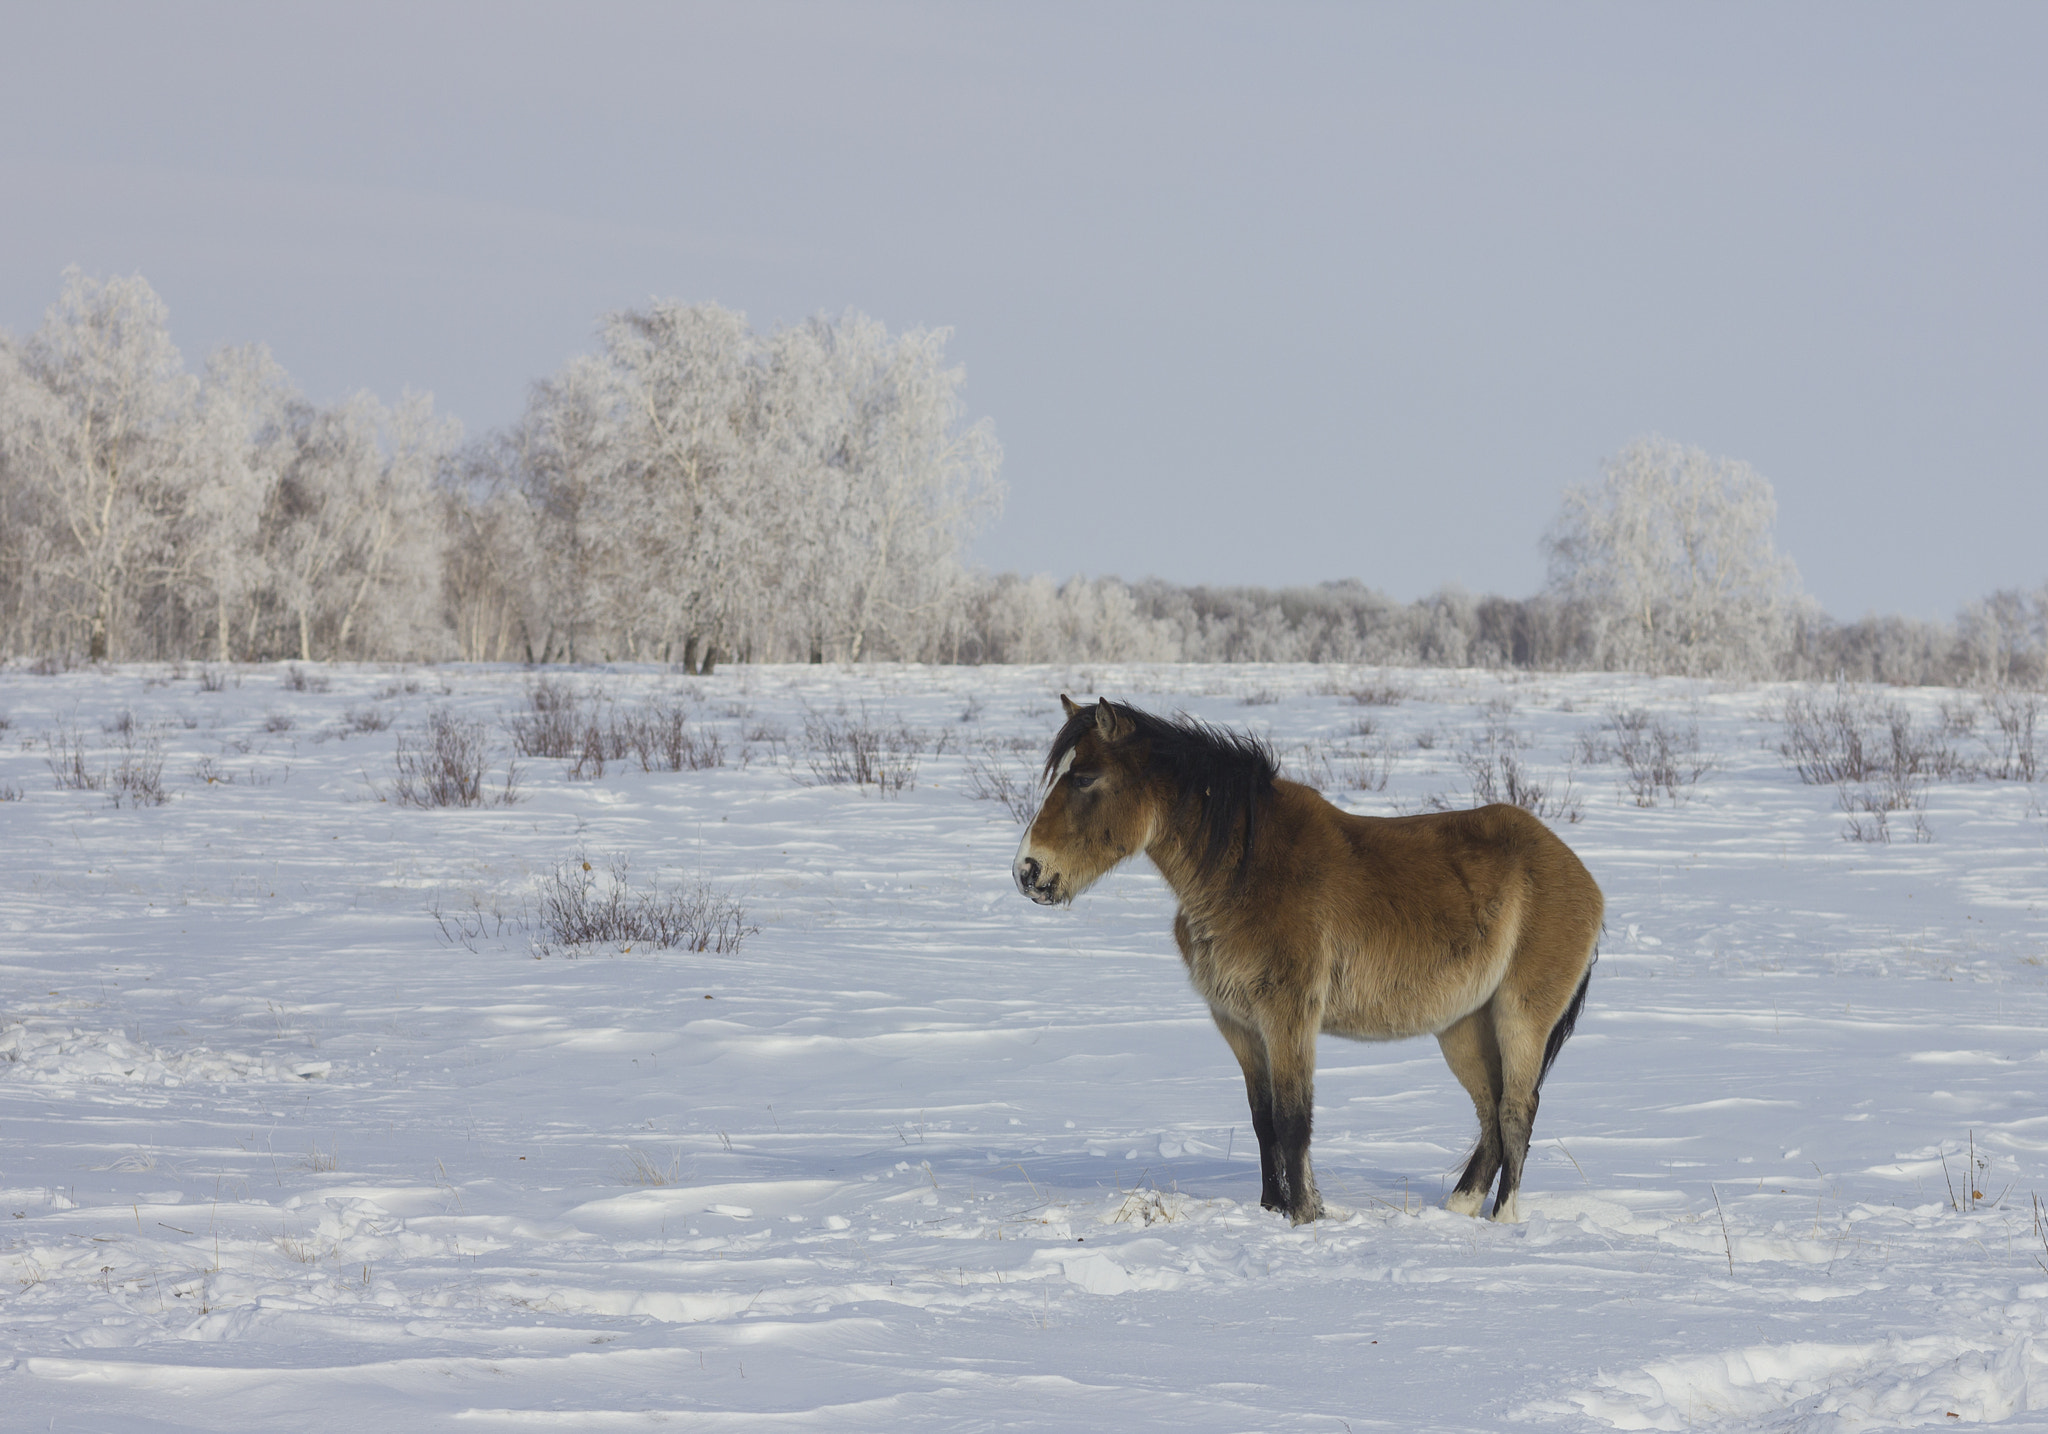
(1477, 926)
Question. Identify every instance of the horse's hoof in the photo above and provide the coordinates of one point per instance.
(1307, 1213)
(1466, 1202)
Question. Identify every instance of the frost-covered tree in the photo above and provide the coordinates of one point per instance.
(96, 437)
(352, 544)
(890, 481)
(239, 451)
(1670, 558)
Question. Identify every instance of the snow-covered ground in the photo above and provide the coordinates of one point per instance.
(276, 1154)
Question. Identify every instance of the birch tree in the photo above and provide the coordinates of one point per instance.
(352, 541)
(100, 439)
(1671, 555)
(902, 483)
(238, 456)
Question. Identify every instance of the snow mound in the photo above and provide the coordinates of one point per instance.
(1822, 1388)
(51, 1052)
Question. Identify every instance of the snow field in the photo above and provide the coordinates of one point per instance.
(276, 1154)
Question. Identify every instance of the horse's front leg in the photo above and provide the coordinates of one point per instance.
(1250, 1049)
(1290, 1040)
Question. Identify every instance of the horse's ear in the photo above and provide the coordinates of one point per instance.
(1069, 703)
(1109, 722)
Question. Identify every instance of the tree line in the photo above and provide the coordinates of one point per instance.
(695, 492)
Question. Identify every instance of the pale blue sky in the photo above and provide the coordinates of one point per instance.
(1253, 294)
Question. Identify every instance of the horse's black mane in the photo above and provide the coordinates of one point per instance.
(1222, 777)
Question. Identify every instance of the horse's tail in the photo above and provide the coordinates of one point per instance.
(1562, 1031)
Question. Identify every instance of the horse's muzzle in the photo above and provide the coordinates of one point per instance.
(1028, 871)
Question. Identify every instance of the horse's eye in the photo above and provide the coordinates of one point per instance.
(1082, 780)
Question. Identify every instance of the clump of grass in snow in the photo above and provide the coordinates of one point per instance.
(644, 1169)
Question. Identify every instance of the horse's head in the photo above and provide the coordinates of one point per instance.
(1099, 808)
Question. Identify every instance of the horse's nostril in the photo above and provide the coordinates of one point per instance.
(1027, 872)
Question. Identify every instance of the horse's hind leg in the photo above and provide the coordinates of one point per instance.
(1521, 1033)
(1250, 1050)
(1474, 1057)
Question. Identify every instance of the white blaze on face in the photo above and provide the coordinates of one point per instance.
(1024, 845)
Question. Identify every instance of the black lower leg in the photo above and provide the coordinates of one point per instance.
(1291, 1130)
(1480, 1170)
(1272, 1194)
(1514, 1153)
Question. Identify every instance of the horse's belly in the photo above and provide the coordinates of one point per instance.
(1380, 1002)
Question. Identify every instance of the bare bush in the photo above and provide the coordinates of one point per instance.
(2013, 754)
(277, 722)
(1655, 757)
(297, 679)
(992, 778)
(137, 780)
(660, 736)
(552, 725)
(578, 908)
(366, 719)
(121, 724)
(1492, 763)
(1850, 737)
(1869, 806)
(848, 751)
(67, 763)
(1329, 767)
(10, 793)
(212, 773)
(1378, 693)
(446, 764)
(212, 679)
(1823, 739)
(1879, 757)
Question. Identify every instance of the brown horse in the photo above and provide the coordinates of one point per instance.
(1476, 927)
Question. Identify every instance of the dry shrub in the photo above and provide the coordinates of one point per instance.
(2012, 754)
(1492, 763)
(848, 751)
(552, 724)
(1853, 737)
(446, 765)
(297, 679)
(660, 737)
(579, 907)
(589, 731)
(1331, 767)
(68, 765)
(1655, 757)
(137, 779)
(992, 777)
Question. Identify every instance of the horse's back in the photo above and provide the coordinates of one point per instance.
(1426, 916)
